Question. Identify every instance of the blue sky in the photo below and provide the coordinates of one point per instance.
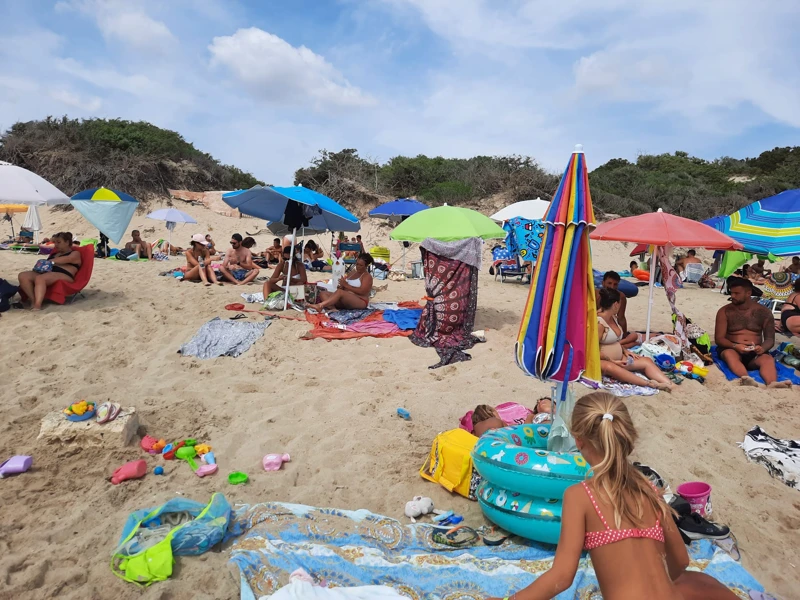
(265, 84)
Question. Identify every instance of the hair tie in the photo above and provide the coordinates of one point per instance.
(608, 416)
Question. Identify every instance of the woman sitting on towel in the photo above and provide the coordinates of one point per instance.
(198, 262)
(277, 282)
(617, 362)
(354, 288)
(61, 265)
(620, 518)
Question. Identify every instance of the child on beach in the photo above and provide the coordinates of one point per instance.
(485, 417)
(620, 518)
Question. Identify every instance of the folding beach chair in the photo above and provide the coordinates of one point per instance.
(348, 247)
(693, 272)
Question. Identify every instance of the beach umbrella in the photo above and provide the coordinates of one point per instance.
(663, 230)
(398, 210)
(447, 224)
(110, 211)
(33, 222)
(21, 186)
(733, 259)
(532, 210)
(769, 225)
(172, 216)
(296, 207)
(557, 340)
(7, 210)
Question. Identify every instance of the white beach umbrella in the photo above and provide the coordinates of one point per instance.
(171, 216)
(20, 186)
(33, 222)
(533, 210)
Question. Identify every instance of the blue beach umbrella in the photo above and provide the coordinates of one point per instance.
(769, 225)
(296, 207)
(110, 211)
(398, 209)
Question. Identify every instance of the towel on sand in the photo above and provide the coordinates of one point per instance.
(784, 373)
(404, 318)
(223, 338)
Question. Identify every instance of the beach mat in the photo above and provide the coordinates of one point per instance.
(356, 548)
(785, 373)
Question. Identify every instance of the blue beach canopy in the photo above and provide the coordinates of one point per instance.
(110, 211)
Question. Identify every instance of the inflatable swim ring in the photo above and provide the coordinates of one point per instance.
(523, 482)
(641, 274)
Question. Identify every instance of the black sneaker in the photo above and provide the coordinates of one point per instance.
(696, 527)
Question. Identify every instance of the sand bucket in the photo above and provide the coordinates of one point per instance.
(698, 495)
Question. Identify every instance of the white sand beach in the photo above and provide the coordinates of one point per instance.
(330, 405)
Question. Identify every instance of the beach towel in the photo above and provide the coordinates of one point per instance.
(357, 548)
(403, 318)
(447, 320)
(619, 389)
(780, 457)
(524, 237)
(303, 590)
(348, 317)
(372, 325)
(223, 338)
(785, 373)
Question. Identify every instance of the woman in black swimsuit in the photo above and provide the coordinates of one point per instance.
(66, 261)
(790, 312)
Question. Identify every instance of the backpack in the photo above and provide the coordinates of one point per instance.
(7, 292)
(450, 463)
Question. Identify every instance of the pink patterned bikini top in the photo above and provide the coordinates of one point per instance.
(595, 539)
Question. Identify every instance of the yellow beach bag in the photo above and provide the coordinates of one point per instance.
(450, 463)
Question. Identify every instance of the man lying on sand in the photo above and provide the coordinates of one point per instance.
(744, 334)
(238, 266)
(139, 246)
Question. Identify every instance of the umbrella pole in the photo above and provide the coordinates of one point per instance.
(650, 299)
(289, 272)
(169, 243)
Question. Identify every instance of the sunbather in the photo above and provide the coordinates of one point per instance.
(312, 255)
(61, 265)
(620, 518)
(611, 281)
(617, 362)
(485, 418)
(138, 246)
(690, 258)
(277, 283)
(794, 268)
(274, 253)
(353, 290)
(744, 334)
(198, 261)
(790, 312)
(238, 266)
(212, 249)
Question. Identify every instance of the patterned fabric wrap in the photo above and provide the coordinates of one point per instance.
(468, 251)
(353, 548)
(447, 321)
(672, 283)
(780, 457)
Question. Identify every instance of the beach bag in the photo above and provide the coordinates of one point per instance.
(7, 292)
(150, 537)
(43, 266)
(450, 462)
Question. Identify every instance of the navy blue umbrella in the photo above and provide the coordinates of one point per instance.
(402, 207)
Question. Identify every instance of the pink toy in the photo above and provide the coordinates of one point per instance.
(132, 470)
(204, 470)
(15, 465)
(698, 495)
(273, 462)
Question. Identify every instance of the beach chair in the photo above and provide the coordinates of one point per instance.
(344, 249)
(60, 291)
(693, 272)
(514, 269)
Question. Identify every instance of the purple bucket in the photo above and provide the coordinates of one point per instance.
(698, 495)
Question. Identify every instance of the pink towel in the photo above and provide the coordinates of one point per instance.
(510, 413)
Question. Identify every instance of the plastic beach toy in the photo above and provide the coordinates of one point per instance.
(131, 470)
(237, 477)
(15, 465)
(187, 453)
(402, 412)
(698, 495)
(273, 462)
(204, 470)
(209, 458)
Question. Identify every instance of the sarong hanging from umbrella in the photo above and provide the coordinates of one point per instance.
(557, 339)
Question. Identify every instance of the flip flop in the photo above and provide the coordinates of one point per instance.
(113, 412)
(238, 316)
(494, 537)
(103, 412)
(460, 536)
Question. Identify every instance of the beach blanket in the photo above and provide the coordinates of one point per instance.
(223, 338)
(785, 373)
(372, 325)
(780, 457)
(404, 318)
(355, 548)
(448, 317)
(619, 389)
(348, 317)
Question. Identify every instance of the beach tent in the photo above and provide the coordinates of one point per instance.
(110, 211)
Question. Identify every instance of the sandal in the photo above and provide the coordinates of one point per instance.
(238, 316)
(494, 537)
(460, 536)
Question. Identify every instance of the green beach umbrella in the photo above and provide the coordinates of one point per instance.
(447, 224)
(734, 259)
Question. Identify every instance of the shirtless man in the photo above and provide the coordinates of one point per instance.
(690, 258)
(138, 245)
(611, 282)
(238, 266)
(744, 334)
(795, 266)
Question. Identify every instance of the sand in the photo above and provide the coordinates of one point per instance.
(331, 405)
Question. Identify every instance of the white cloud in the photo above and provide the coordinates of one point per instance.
(121, 21)
(89, 104)
(277, 72)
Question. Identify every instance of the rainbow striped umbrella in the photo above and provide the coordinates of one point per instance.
(108, 210)
(557, 339)
(769, 225)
